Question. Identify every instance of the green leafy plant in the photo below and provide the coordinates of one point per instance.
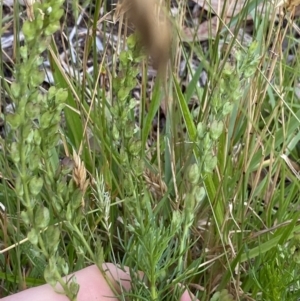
(34, 131)
(211, 204)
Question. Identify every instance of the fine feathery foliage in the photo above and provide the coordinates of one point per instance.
(208, 201)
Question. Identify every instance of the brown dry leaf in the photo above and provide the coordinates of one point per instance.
(232, 7)
(205, 30)
(152, 24)
(29, 8)
(155, 184)
(209, 28)
(289, 4)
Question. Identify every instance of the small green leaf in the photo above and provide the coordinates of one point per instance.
(57, 206)
(15, 89)
(52, 130)
(39, 23)
(24, 52)
(135, 147)
(62, 265)
(138, 166)
(210, 162)
(35, 161)
(207, 143)
(46, 120)
(37, 137)
(69, 213)
(123, 57)
(30, 137)
(35, 98)
(129, 129)
(189, 203)
(52, 141)
(36, 185)
(50, 272)
(14, 152)
(201, 130)
(29, 31)
(115, 132)
(36, 78)
(57, 14)
(216, 129)
(123, 93)
(194, 174)
(19, 188)
(32, 110)
(52, 92)
(131, 41)
(227, 108)
(52, 235)
(76, 198)
(33, 236)
(61, 96)
(52, 28)
(199, 194)
(14, 120)
(26, 130)
(56, 118)
(74, 288)
(25, 217)
(60, 107)
(42, 217)
(176, 220)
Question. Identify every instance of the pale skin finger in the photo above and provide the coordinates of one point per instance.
(93, 286)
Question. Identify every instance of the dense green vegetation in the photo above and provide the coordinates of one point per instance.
(210, 201)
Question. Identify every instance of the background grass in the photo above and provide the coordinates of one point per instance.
(210, 201)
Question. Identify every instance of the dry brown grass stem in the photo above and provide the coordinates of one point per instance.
(155, 184)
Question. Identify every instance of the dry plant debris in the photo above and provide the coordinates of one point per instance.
(223, 11)
(29, 8)
(155, 184)
(232, 7)
(290, 5)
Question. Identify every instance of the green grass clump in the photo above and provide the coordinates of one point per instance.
(212, 202)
